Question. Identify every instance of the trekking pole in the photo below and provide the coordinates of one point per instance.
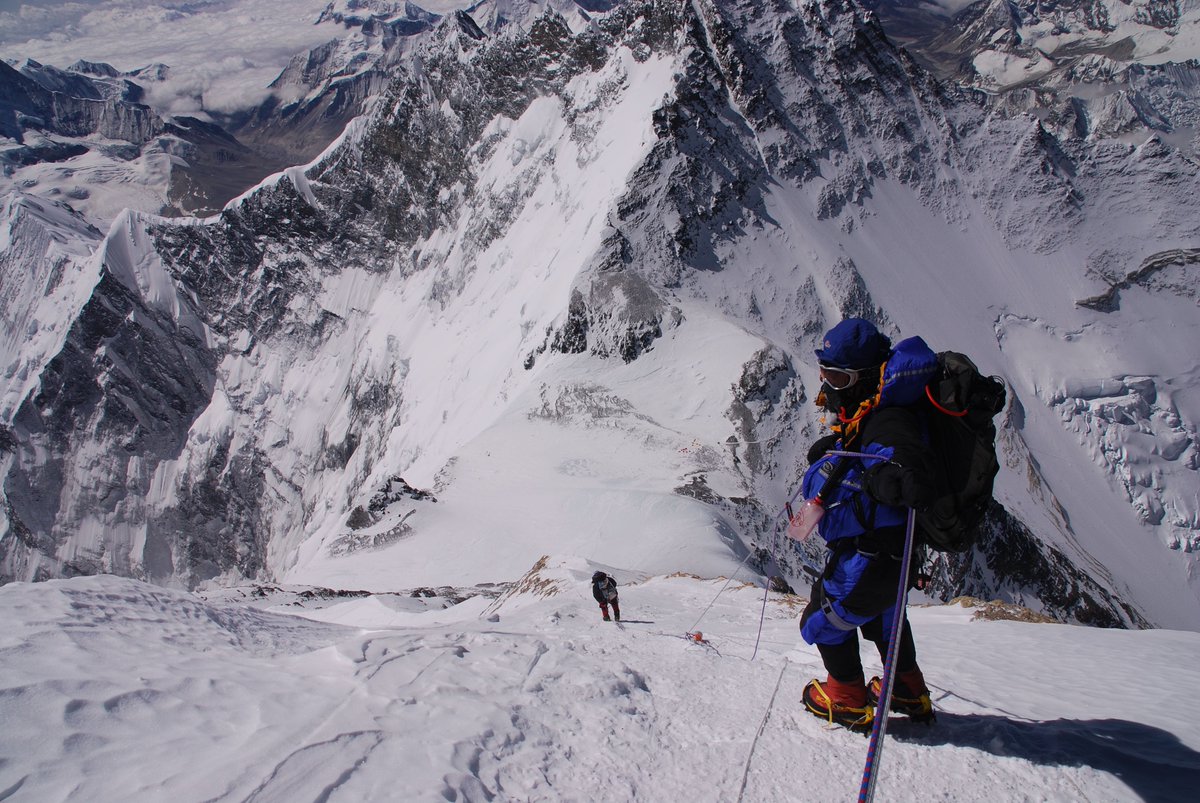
(866, 792)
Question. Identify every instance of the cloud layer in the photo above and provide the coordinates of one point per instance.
(222, 53)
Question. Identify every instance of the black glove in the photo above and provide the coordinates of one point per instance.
(890, 484)
(820, 447)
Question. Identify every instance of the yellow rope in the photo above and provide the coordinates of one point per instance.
(847, 427)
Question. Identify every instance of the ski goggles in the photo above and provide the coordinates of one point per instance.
(838, 378)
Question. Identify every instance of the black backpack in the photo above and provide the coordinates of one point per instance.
(960, 405)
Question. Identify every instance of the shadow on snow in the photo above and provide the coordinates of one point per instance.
(1151, 761)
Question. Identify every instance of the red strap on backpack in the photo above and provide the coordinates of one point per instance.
(940, 407)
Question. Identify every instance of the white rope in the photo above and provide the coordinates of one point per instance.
(722, 591)
(761, 727)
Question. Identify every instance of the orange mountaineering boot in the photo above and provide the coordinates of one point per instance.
(910, 696)
(840, 702)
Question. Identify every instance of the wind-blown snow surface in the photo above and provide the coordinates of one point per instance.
(113, 690)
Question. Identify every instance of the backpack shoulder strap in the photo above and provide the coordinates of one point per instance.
(840, 469)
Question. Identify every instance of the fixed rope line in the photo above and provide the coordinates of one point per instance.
(762, 614)
(761, 727)
(775, 540)
(786, 511)
(767, 587)
(722, 591)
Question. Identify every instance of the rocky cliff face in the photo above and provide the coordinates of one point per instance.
(46, 274)
(321, 91)
(92, 110)
(53, 101)
(247, 386)
(87, 125)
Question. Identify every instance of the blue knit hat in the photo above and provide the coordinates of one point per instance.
(854, 343)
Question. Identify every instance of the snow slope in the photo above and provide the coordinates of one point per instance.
(585, 461)
(113, 690)
(986, 248)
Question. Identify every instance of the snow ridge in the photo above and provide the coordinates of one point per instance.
(265, 694)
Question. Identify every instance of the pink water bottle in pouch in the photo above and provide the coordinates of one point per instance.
(804, 523)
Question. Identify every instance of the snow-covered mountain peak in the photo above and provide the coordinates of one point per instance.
(47, 270)
(564, 283)
(358, 13)
(1143, 32)
(378, 31)
(548, 305)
